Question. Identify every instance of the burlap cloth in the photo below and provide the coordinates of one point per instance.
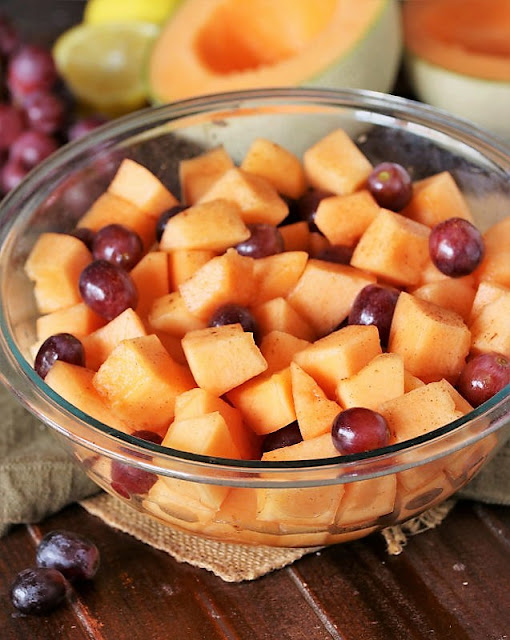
(38, 478)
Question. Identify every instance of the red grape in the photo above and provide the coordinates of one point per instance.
(38, 591)
(44, 111)
(359, 429)
(308, 204)
(128, 480)
(483, 376)
(107, 289)
(12, 174)
(85, 235)
(232, 314)
(284, 437)
(338, 253)
(9, 37)
(32, 147)
(375, 305)
(83, 126)
(265, 240)
(391, 185)
(165, 217)
(61, 346)
(12, 124)
(75, 556)
(117, 244)
(456, 247)
(31, 68)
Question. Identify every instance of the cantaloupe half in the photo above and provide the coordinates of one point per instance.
(210, 46)
(458, 58)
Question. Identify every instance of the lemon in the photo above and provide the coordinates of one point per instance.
(106, 11)
(103, 64)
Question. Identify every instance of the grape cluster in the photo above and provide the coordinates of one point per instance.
(36, 110)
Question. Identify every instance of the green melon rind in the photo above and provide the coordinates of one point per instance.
(484, 102)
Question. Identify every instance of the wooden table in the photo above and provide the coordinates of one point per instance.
(451, 583)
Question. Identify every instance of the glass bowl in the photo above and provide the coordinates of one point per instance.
(304, 503)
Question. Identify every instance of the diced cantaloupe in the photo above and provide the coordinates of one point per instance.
(100, 343)
(430, 273)
(495, 265)
(339, 355)
(276, 275)
(433, 342)
(411, 382)
(435, 199)
(206, 434)
(325, 292)
(78, 319)
(183, 263)
(279, 166)
(365, 501)
(296, 236)
(412, 502)
(173, 345)
(183, 503)
(394, 248)
(279, 348)
(224, 279)
(334, 163)
(151, 280)
(198, 174)
(279, 315)
(55, 264)
(380, 380)
(214, 225)
(344, 219)
(449, 293)
(140, 381)
(171, 315)
(240, 510)
(221, 358)
(256, 197)
(266, 402)
(314, 411)
(486, 292)
(136, 184)
(317, 243)
(489, 330)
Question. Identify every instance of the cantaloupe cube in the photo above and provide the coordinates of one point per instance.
(435, 199)
(314, 411)
(277, 165)
(279, 348)
(240, 510)
(214, 225)
(197, 402)
(412, 502)
(198, 174)
(380, 380)
(344, 219)
(489, 330)
(110, 208)
(336, 164)
(221, 358)
(365, 501)
(55, 264)
(279, 315)
(171, 315)
(420, 411)
(173, 345)
(207, 435)
(325, 292)
(462, 465)
(317, 243)
(151, 280)
(184, 504)
(450, 293)
(275, 276)
(225, 278)
(142, 188)
(256, 197)
(430, 273)
(100, 343)
(486, 292)
(339, 355)
(78, 319)
(266, 402)
(394, 248)
(140, 381)
(296, 236)
(411, 382)
(495, 265)
(432, 341)
(183, 263)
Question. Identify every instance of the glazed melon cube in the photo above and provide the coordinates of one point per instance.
(55, 264)
(180, 502)
(110, 208)
(275, 276)
(198, 174)
(240, 510)
(435, 199)
(314, 411)
(367, 500)
(344, 219)
(394, 248)
(451, 293)
(173, 345)
(495, 264)
(489, 330)
(256, 197)
(78, 319)
(279, 348)
(140, 381)
(136, 184)
(207, 435)
(380, 380)
(296, 236)
(325, 292)
(183, 263)
(266, 402)
(424, 497)
(278, 315)
(339, 355)
(420, 411)
(214, 225)
(411, 382)
(171, 315)
(430, 273)
(100, 343)
(317, 243)
(151, 280)
(277, 165)
(197, 402)
(432, 341)
(221, 358)
(225, 278)
(335, 164)
(486, 293)
(75, 384)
